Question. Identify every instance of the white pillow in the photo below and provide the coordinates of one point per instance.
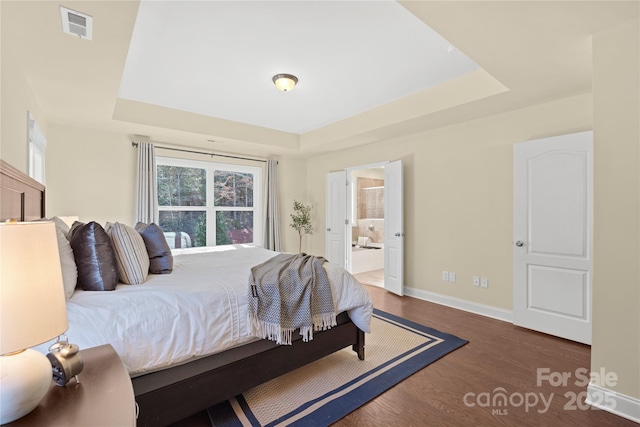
(67, 264)
(131, 253)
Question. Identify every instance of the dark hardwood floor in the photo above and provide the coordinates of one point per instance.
(499, 358)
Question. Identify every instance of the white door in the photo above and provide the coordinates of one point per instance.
(336, 217)
(552, 232)
(393, 228)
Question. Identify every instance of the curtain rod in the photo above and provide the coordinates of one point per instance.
(135, 144)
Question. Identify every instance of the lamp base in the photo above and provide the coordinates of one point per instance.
(25, 378)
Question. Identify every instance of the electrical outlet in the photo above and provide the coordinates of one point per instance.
(484, 282)
(452, 277)
(476, 280)
(445, 276)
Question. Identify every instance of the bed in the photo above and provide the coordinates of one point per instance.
(184, 381)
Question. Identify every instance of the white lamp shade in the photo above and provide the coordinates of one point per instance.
(32, 301)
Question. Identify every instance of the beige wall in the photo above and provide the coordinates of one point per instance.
(616, 270)
(458, 195)
(375, 173)
(292, 181)
(17, 100)
(91, 174)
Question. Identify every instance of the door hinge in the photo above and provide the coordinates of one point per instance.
(346, 222)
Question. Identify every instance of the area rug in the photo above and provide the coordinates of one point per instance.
(324, 391)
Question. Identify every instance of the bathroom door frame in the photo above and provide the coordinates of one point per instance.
(351, 185)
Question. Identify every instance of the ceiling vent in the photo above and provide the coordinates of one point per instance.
(76, 23)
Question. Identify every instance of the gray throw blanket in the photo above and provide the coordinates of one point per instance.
(288, 292)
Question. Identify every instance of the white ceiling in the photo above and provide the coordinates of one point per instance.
(217, 58)
(529, 53)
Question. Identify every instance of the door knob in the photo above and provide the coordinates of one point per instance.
(398, 234)
(519, 243)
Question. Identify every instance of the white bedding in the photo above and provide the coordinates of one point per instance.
(199, 309)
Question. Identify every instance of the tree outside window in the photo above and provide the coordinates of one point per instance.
(212, 204)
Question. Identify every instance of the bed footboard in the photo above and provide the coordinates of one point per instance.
(168, 396)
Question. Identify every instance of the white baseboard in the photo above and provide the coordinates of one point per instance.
(616, 403)
(460, 304)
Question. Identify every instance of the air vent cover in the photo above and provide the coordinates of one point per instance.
(76, 23)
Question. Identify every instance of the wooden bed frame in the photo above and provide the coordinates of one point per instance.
(22, 197)
(172, 394)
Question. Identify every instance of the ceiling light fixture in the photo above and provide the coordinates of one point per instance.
(285, 82)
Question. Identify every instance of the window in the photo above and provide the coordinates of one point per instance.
(37, 144)
(207, 204)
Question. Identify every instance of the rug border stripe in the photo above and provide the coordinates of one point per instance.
(361, 381)
(432, 341)
(345, 404)
(373, 381)
(417, 326)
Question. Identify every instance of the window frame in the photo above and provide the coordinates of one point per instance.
(37, 143)
(209, 208)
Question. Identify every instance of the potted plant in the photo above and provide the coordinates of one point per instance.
(301, 218)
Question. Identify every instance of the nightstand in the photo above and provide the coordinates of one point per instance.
(104, 396)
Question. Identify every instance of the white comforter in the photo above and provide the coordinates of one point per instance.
(199, 309)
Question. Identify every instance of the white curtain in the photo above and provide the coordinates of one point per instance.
(146, 184)
(272, 212)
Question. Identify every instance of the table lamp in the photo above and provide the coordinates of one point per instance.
(32, 311)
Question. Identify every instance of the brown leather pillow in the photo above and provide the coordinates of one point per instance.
(95, 257)
(160, 258)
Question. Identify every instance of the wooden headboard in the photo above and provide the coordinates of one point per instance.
(21, 197)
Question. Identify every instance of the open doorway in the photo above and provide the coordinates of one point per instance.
(344, 228)
(366, 209)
